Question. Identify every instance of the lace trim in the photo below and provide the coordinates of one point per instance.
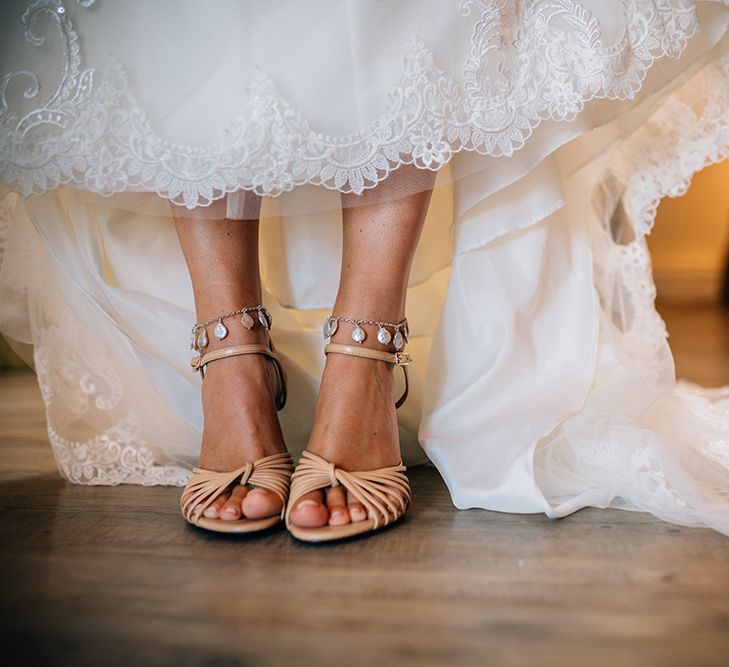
(626, 474)
(711, 406)
(117, 456)
(90, 391)
(699, 137)
(528, 63)
(688, 132)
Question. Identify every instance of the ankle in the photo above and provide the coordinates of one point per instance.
(372, 306)
(240, 379)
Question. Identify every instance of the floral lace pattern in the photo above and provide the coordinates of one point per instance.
(711, 407)
(87, 390)
(528, 62)
(117, 456)
(626, 473)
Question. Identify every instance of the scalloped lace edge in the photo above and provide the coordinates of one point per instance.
(544, 60)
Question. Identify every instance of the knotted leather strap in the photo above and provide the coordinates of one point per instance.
(198, 364)
(384, 492)
(396, 358)
(270, 472)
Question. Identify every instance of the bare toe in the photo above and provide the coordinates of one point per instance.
(337, 504)
(212, 511)
(356, 509)
(261, 503)
(310, 511)
(231, 509)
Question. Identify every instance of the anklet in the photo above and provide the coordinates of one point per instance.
(398, 337)
(199, 336)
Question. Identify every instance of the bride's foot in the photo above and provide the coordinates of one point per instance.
(241, 425)
(355, 427)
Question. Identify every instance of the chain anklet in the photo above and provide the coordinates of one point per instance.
(199, 336)
(398, 336)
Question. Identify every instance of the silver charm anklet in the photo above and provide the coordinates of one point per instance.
(199, 335)
(398, 337)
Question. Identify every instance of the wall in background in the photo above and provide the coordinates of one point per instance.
(690, 242)
(8, 358)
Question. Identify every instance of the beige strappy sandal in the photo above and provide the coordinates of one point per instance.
(384, 492)
(269, 472)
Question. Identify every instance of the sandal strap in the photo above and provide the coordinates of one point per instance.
(269, 472)
(402, 359)
(373, 488)
(198, 364)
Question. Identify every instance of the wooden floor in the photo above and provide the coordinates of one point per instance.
(112, 576)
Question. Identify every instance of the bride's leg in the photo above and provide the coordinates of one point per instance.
(241, 422)
(355, 425)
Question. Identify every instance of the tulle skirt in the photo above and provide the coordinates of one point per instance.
(543, 381)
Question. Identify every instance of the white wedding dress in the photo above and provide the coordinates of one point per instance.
(543, 381)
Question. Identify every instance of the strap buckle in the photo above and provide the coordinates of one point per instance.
(195, 363)
(402, 358)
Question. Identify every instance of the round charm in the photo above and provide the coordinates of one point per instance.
(247, 321)
(263, 319)
(358, 334)
(397, 340)
(220, 331)
(384, 336)
(202, 340)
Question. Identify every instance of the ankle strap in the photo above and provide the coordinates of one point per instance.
(402, 359)
(198, 364)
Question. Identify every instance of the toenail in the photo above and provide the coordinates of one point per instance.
(308, 503)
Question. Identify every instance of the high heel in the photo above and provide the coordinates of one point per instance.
(269, 472)
(384, 492)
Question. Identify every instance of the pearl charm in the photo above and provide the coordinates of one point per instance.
(220, 331)
(247, 321)
(398, 340)
(384, 336)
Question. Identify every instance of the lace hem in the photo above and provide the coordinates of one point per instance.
(114, 457)
(527, 64)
